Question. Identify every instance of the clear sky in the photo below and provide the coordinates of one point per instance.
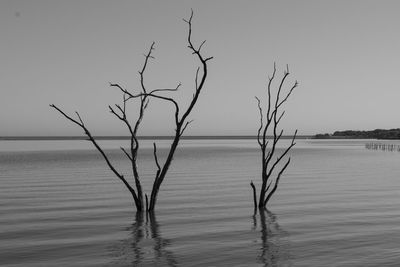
(345, 55)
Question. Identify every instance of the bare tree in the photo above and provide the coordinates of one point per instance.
(180, 118)
(273, 163)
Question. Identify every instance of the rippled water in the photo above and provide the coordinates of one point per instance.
(337, 205)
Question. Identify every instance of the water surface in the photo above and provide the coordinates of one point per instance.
(337, 205)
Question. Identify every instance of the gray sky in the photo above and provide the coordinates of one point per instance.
(345, 55)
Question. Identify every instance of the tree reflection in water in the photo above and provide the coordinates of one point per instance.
(274, 248)
(145, 245)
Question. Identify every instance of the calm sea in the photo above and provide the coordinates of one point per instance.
(337, 205)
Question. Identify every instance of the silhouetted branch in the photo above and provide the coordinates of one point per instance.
(156, 159)
(115, 113)
(269, 94)
(280, 117)
(288, 94)
(166, 89)
(276, 182)
(261, 122)
(134, 144)
(143, 97)
(89, 135)
(271, 161)
(184, 127)
(254, 193)
(180, 122)
(197, 77)
(126, 153)
(120, 88)
(147, 57)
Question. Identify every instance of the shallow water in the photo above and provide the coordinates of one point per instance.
(337, 205)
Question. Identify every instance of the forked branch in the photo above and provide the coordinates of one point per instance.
(181, 122)
(269, 123)
(143, 97)
(81, 124)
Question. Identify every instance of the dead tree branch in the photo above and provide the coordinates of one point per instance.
(143, 97)
(269, 124)
(181, 122)
(94, 142)
(120, 112)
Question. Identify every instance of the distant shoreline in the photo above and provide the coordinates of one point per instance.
(193, 137)
(390, 134)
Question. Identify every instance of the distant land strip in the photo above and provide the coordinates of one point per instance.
(190, 137)
(390, 134)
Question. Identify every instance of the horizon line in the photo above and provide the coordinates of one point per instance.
(144, 137)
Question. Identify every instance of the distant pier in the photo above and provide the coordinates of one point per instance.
(383, 146)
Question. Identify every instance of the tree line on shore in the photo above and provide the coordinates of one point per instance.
(374, 134)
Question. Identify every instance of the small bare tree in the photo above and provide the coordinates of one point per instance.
(180, 118)
(272, 163)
